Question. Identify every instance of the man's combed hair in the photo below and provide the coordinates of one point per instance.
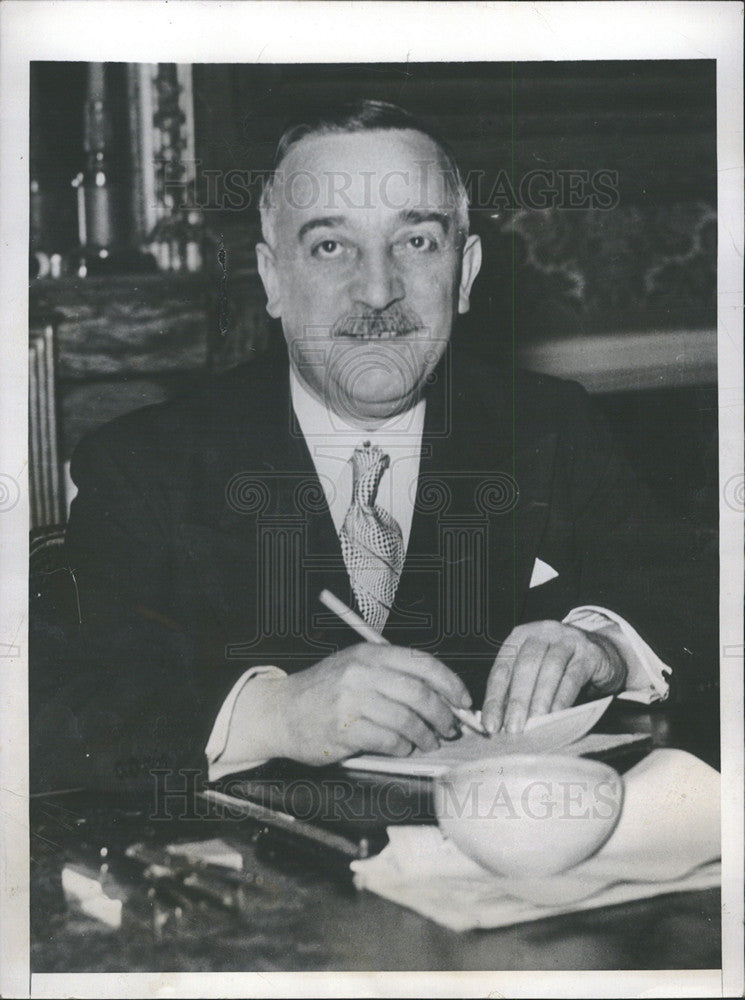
(363, 116)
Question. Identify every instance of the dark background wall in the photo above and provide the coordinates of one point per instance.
(646, 262)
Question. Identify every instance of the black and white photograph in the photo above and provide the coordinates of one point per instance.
(373, 493)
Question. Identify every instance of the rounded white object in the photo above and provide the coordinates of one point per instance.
(529, 815)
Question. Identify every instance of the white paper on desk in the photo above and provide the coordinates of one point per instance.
(543, 734)
(667, 840)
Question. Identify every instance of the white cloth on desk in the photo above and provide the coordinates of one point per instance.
(667, 840)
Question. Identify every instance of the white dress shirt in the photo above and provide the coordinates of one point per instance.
(331, 442)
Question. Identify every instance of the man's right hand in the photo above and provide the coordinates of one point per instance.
(378, 699)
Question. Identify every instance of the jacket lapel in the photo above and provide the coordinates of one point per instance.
(482, 501)
(263, 537)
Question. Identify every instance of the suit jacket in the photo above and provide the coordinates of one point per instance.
(200, 538)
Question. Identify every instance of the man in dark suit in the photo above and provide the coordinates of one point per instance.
(479, 519)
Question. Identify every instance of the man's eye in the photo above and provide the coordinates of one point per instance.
(422, 244)
(327, 249)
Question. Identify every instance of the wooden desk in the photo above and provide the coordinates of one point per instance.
(304, 921)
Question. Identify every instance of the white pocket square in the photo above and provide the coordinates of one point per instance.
(542, 573)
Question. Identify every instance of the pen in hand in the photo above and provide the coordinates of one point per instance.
(368, 633)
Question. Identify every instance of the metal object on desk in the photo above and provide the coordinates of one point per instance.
(192, 880)
(283, 837)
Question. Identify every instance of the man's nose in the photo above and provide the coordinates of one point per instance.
(377, 283)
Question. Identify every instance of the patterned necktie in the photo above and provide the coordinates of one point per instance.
(371, 539)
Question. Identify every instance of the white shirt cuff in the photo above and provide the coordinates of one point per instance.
(216, 767)
(653, 671)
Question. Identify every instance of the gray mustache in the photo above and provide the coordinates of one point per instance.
(396, 319)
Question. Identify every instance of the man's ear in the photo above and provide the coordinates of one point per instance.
(470, 267)
(269, 278)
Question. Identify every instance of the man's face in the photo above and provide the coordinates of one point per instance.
(367, 269)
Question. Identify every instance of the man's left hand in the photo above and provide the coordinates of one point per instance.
(542, 667)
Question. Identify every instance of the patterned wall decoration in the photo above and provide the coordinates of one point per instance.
(630, 268)
(645, 264)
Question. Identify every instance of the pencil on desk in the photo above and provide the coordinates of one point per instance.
(351, 618)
